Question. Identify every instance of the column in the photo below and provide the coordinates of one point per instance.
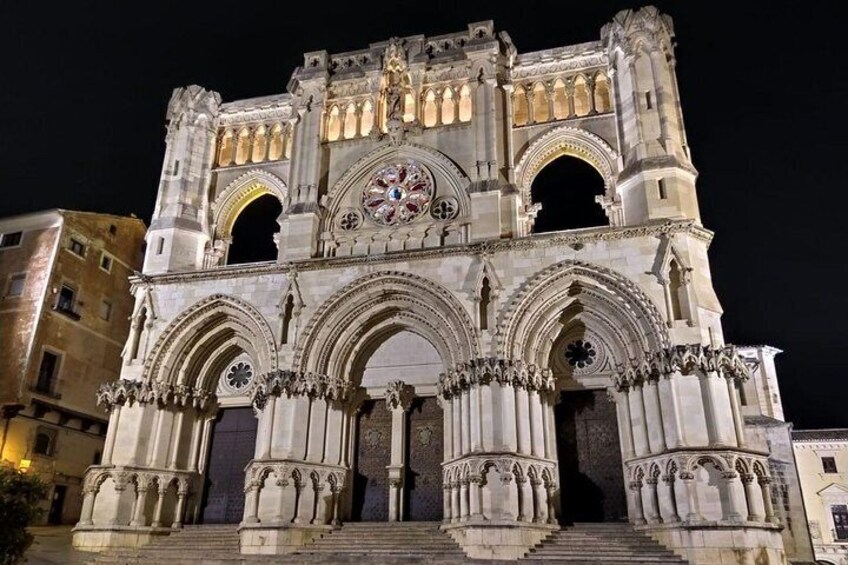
(530, 96)
(523, 418)
(540, 505)
(474, 414)
(641, 442)
(710, 411)
(549, 491)
(738, 421)
(751, 498)
(590, 86)
(139, 519)
(509, 418)
(638, 508)
(537, 434)
(456, 405)
(624, 423)
(111, 432)
(178, 513)
(158, 458)
(447, 511)
(454, 502)
(251, 503)
(160, 502)
(474, 496)
(176, 440)
(398, 399)
(659, 425)
(734, 509)
(674, 516)
(654, 515)
(694, 514)
(674, 420)
(196, 438)
(466, 421)
(87, 507)
(765, 488)
(204, 445)
(569, 91)
(266, 429)
(298, 497)
(280, 516)
(463, 500)
(337, 492)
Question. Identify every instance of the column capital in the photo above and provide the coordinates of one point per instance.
(399, 396)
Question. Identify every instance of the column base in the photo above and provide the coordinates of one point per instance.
(98, 538)
(498, 539)
(264, 539)
(709, 544)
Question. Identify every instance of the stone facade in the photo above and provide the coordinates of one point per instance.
(822, 459)
(408, 269)
(64, 282)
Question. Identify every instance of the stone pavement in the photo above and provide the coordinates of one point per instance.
(52, 546)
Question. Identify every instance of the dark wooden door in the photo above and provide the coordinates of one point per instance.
(233, 444)
(57, 505)
(425, 453)
(591, 475)
(373, 454)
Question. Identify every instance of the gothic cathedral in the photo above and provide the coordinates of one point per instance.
(418, 346)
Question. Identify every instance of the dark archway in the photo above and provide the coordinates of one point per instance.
(566, 188)
(253, 232)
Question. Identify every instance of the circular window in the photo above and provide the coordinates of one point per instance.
(239, 375)
(580, 354)
(398, 193)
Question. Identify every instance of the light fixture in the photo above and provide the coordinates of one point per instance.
(24, 465)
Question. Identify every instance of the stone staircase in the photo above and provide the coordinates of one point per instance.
(389, 543)
(394, 543)
(600, 543)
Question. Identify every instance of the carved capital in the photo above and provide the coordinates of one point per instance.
(399, 395)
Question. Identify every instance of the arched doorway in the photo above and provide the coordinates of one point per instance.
(406, 356)
(566, 189)
(254, 230)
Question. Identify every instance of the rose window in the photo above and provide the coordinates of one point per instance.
(580, 354)
(398, 193)
(239, 375)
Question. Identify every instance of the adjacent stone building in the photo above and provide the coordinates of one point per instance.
(415, 347)
(65, 304)
(822, 457)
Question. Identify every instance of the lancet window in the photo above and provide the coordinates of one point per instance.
(254, 144)
(561, 98)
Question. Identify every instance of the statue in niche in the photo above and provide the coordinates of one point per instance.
(396, 84)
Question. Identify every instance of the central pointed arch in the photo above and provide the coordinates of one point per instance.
(239, 194)
(374, 307)
(196, 346)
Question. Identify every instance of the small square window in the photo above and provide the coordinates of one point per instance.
(106, 263)
(77, 247)
(105, 310)
(16, 285)
(829, 464)
(12, 239)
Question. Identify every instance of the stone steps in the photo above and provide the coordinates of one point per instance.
(600, 543)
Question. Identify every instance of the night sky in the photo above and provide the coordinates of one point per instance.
(84, 88)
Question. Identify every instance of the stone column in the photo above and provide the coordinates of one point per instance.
(176, 439)
(463, 499)
(139, 519)
(549, 492)
(654, 388)
(178, 513)
(751, 498)
(522, 416)
(398, 398)
(738, 421)
(734, 509)
(537, 434)
(455, 502)
(251, 503)
(654, 514)
(765, 488)
(474, 415)
(539, 503)
(638, 508)
(694, 514)
(447, 511)
(280, 516)
(710, 409)
(160, 502)
(204, 445)
(590, 86)
(88, 506)
(111, 432)
(625, 424)
(674, 516)
(298, 497)
(474, 485)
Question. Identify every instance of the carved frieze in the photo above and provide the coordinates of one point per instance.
(125, 391)
(492, 369)
(684, 359)
(299, 383)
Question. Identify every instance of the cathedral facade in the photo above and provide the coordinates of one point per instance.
(418, 350)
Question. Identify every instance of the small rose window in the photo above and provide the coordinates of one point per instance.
(398, 193)
(239, 375)
(580, 354)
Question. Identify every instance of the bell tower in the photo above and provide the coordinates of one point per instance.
(658, 179)
(180, 229)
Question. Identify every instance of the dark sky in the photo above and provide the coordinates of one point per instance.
(84, 87)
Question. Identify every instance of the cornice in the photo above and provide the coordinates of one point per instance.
(576, 239)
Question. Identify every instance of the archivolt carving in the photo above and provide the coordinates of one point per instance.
(382, 302)
(241, 192)
(532, 321)
(203, 328)
(566, 140)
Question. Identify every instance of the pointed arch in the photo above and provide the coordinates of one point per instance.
(450, 179)
(603, 103)
(581, 96)
(465, 104)
(448, 108)
(207, 335)
(226, 150)
(560, 95)
(260, 144)
(612, 304)
(242, 146)
(349, 125)
(366, 122)
(540, 103)
(239, 194)
(566, 140)
(429, 112)
(378, 305)
(520, 110)
(275, 143)
(334, 124)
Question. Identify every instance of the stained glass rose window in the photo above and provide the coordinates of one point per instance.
(398, 193)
